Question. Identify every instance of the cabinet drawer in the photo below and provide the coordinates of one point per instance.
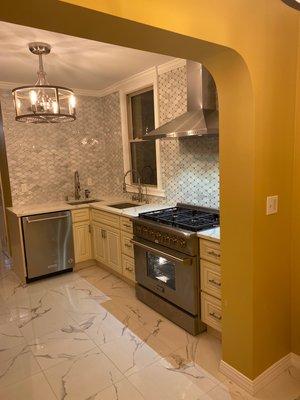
(83, 214)
(127, 246)
(106, 218)
(211, 311)
(128, 267)
(126, 225)
(210, 251)
(211, 278)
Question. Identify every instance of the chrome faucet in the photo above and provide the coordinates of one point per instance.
(139, 196)
(76, 186)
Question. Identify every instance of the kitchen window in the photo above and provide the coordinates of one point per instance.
(141, 120)
(139, 115)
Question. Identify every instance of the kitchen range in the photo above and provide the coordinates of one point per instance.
(167, 261)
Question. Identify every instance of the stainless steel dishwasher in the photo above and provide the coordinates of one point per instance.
(48, 242)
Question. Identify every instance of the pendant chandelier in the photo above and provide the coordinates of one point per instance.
(41, 103)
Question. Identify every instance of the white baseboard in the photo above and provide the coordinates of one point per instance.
(253, 386)
(295, 360)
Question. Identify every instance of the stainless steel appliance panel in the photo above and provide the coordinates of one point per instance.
(168, 273)
(48, 242)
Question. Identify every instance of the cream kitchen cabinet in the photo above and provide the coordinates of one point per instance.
(82, 235)
(99, 243)
(107, 245)
(112, 245)
(211, 282)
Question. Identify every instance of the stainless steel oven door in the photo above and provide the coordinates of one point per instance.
(170, 274)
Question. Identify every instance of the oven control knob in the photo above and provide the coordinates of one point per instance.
(145, 230)
(167, 239)
(182, 243)
(158, 235)
(174, 241)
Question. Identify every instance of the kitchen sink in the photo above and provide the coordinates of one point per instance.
(86, 201)
(123, 205)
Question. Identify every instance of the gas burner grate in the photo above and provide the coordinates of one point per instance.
(192, 219)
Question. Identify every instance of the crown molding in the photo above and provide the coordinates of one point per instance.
(147, 76)
(170, 65)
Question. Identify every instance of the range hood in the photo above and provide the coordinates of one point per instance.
(202, 116)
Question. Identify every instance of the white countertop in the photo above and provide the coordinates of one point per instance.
(104, 205)
(213, 234)
(21, 211)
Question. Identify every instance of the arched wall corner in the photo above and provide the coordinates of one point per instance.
(241, 215)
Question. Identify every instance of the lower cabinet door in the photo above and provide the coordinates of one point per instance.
(99, 243)
(82, 241)
(128, 267)
(113, 248)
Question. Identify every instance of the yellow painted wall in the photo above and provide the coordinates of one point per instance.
(295, 322)
(255, 73)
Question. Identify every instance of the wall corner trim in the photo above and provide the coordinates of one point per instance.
(253, 386)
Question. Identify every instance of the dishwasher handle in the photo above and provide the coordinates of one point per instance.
(45, 219)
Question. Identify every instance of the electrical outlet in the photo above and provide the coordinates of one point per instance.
(272, 205)
(23, 187)
(89, 181)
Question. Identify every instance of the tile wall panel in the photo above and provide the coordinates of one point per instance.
(44, 157)
(190, 166)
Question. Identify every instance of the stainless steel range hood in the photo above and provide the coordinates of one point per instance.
(202, 116)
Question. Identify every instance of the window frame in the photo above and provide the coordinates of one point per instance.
(130, 130)
(141, 82)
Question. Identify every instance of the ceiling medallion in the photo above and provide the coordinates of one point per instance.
(41, 102)
(293, 3)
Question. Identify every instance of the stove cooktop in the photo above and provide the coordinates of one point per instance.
(185, 217)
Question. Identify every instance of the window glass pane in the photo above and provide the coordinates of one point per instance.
(142, 109)
(143, 160)
(161, 269)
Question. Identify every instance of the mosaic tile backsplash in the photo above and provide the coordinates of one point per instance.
(42, 158)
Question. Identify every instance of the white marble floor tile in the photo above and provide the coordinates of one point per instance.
(219, 393)
(84, 377)
(45, 321)
(5, 315)
(164, 380)
(16, 364)
(286, 386)
(10, 336)
(14, 292)
(9, 285)
(35, 387)
(58, 346)
(79, 296)
(132, 352)
(105, 327)
(115, 288)
(60, 280)
(122, 390)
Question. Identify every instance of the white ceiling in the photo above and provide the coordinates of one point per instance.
(73, 62)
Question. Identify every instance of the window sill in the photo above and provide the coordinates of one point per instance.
(151, 191)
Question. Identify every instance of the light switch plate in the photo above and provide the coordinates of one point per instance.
(272, 205)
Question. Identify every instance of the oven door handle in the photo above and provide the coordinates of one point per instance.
(187, 261)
